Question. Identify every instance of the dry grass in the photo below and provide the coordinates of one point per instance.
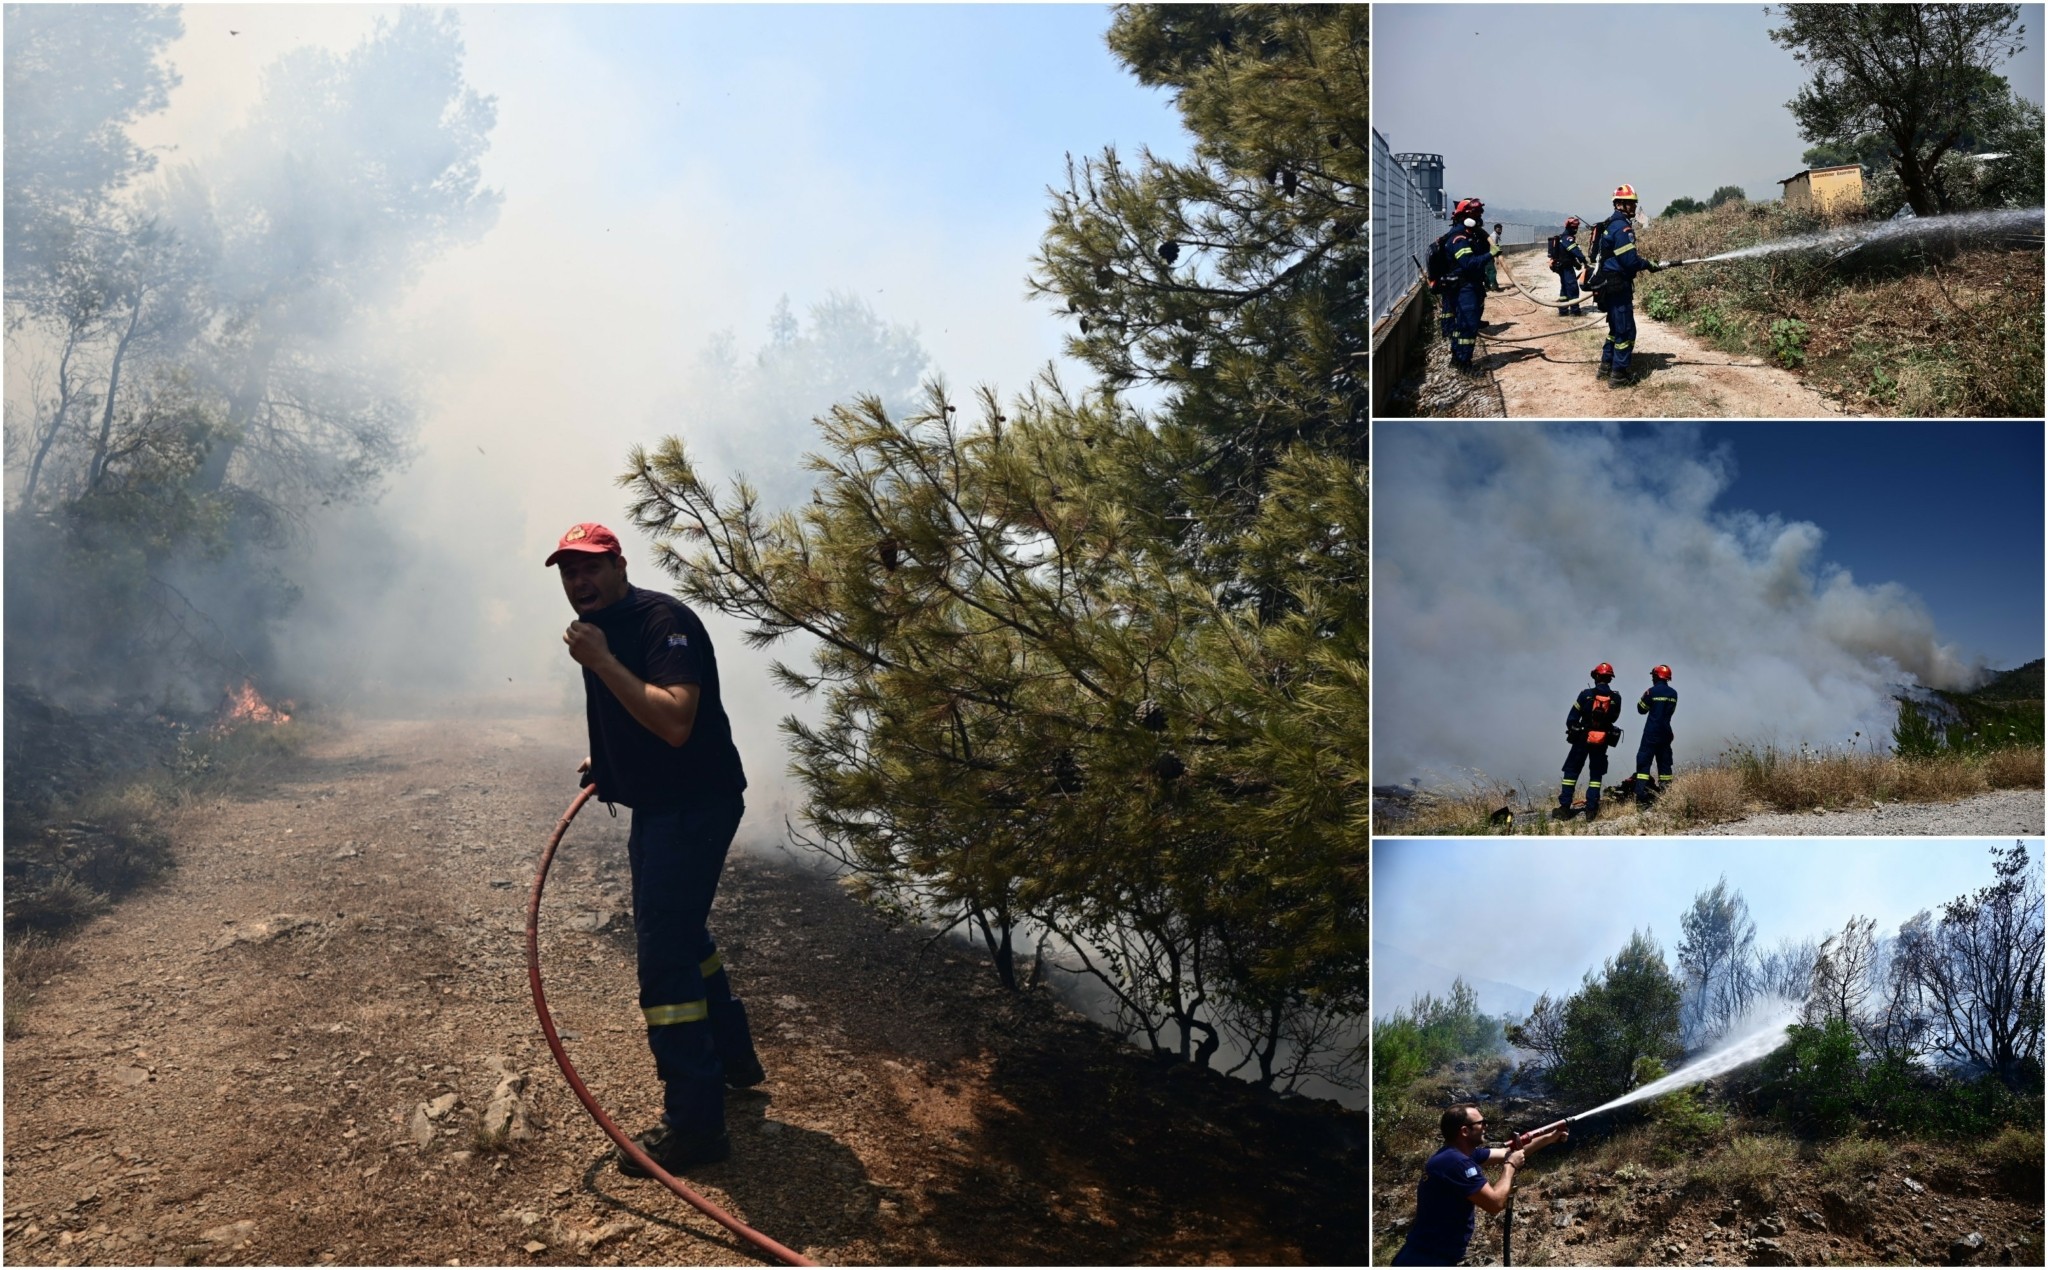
(1748, 1167)
(2014, 769)
(1852, 1157)
(1708, 796)
(32, 960)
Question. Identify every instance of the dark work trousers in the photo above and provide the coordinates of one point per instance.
(693, 1019)
(1657, 749)
(1447, 311)
(1470, 301)
(1581, 754)
(1568, 288)
(1621, 332)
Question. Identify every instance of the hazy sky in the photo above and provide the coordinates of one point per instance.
(1550, 106)
(669, 172)
(1853, 480)
(1539, 913)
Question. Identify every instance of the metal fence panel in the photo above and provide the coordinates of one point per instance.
(1403, 226)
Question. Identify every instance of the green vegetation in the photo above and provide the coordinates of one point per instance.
(1896, 333)
(1596, 1042)
(1430, 1033)
(1920, 76)
(1822, 1084)
(1098, 672)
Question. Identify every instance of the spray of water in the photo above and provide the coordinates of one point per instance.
(2019, 223)
(1755, 1035)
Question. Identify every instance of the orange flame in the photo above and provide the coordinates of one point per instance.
(246, 705)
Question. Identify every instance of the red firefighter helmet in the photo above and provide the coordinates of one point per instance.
(1660, 672)
(1571, 224)
(1624, 193)
(1603, 671)
(1470, 206)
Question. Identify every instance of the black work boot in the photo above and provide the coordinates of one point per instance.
(1605, 370)
(1592, 809)
(674, 1152)
(744, 1072)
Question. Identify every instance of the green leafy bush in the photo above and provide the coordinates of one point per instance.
(1813, 1078)
(1660, 306)
(1788, 341)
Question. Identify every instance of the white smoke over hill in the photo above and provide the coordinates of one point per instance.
(1510, 558)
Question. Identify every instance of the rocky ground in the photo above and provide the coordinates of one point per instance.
(313, 1043)
(1911, 1206)
(2002, 811)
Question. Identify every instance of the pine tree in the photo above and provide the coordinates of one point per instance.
(1098, 673)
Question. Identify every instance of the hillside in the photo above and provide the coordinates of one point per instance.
(2022, 684)
(1924, 328)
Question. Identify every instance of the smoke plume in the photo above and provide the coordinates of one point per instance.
(1510, 559)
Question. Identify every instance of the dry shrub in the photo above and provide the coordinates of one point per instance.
(2014, 769)
(1853, 1156)
(1749, 1168)
(1708, 795)
(32, 960)
(1933, 778)
(1814, 778)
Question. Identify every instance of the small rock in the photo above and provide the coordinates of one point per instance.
(535, 1245)
(1813, 1219)
(422, 1128)
(501, 883)
(589, 921)
(1561, 1221)
(130, 1076)
(346, 853)
(1914, 1186)
(442, 1106)
(234, 1234)
(1766, 1252)
(462, 1157)
(1967, 1245)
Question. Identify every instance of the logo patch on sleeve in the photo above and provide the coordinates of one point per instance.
(1470, 1171)
(679, 641)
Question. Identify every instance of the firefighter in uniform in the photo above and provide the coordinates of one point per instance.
(661, 745)
(1590, 730)
(1460, 260)
(1565, 261)
(1615, 265)
(1659, 702)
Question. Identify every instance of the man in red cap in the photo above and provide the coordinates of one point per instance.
(660, 743)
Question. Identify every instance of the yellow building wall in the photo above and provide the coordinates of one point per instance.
(1824, 191)
(1832, 189)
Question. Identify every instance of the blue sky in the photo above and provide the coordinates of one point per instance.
(1540, 913)
(1951, 510)
(1676, 99)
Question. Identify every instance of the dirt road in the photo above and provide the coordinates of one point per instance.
(285, 1055)
(1556, 377)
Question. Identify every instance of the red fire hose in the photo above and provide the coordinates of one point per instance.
(626, 1144)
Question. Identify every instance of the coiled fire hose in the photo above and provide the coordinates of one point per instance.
(617, 1135)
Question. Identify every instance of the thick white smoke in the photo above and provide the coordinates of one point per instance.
(1509, 558)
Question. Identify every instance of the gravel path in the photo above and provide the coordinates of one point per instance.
(2004, 811)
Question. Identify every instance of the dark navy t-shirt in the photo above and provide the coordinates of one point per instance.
(660, 640)
(1443, 1209)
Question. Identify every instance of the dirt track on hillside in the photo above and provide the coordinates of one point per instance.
(281, 1056)
(1531, 370)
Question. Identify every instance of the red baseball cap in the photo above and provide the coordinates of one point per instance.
(588, 536)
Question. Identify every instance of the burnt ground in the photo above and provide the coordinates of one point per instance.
(282, 1053)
